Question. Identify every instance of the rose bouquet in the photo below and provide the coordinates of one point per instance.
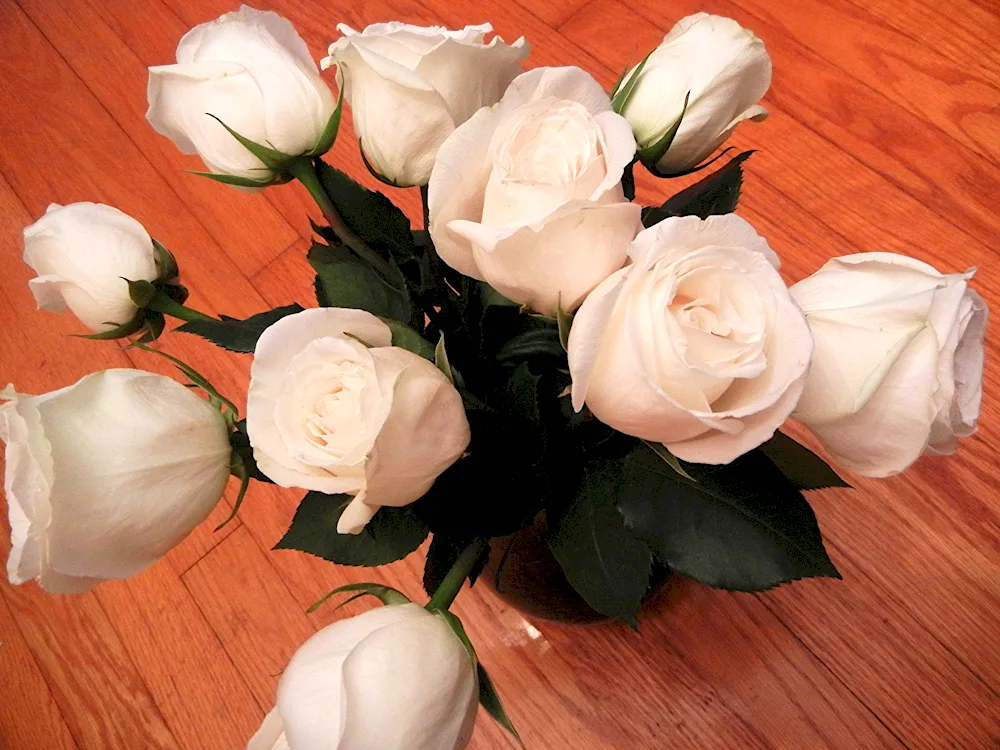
(541, 352)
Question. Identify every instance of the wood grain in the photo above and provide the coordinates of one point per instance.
(883, 135)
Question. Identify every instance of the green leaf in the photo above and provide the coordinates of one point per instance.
(345, 280)
(442, 554)
(374, 218)
(742, 526)
(523, 393)
(238, 335)
(605, 563)
(804, 469)
(490, 700)
(538, 342)
(459, 630)
(441, 359)
(716, 194)
(492, 298)
(386, 594)
(391, 535)
(406, 338)
(628, 181)
(141, 292)
(652, 153)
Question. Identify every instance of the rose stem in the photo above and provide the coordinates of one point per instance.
(304, 171)
(161, 303)
(455, 578)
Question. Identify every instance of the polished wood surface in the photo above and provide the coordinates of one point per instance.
(884, 134)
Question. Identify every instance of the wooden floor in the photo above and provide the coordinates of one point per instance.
(885, 134)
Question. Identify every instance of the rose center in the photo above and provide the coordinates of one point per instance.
(335, 421)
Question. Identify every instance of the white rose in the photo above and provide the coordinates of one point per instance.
(105, 476)
(325, 412)
(250, 69)
(82, 253)
(527, 195)
(409, 87)
(696, 345)
(726, 70)
(391, 678)
(898, 365)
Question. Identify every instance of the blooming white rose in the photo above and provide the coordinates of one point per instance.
(696, 345)
(105, 476)
(409, 87)
(250, 69)
(325, 412)
(390, 678)
(82, 254)
(527, 195)
(724, 71)
(898, 365)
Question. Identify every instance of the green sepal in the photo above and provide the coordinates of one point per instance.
(650, 155)
(239, 470)
(166, 265)
(329, 135)
(142, 292)
(126, 329)
(488, 696)
(565, 321)
(669, 458)
(231, 179)
(271, 158)
(152, 327)
(624, 92)
(489, 699)
(374, 172)
(385, 594)
(441, 359)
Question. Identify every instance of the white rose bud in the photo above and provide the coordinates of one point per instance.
(391, 677)
(82, 254)
(696, 345)
(329, 413)
(724, 71)
(250, 69)
(105, 476)
(527, 195)
(409, 87)
(898, 365)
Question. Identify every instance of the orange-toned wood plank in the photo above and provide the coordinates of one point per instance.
(101, 694)
(553, 12)
(887, 138)
(250, 609)
(956, 99)
(961, 30)
(101, 711)
(35, 714)
(248, 229)
(289, 278)
(203, 698)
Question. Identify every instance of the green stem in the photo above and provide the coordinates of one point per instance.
(161, 303)
(456, 577)
(304, 170)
